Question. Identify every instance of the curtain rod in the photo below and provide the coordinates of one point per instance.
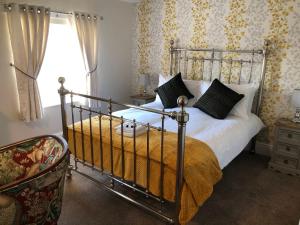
(68, 13)
(6, 5)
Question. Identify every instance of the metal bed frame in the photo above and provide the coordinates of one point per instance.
(208, 60)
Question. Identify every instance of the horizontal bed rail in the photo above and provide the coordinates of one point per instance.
(109, 101)
(113, 116)
(259, 51)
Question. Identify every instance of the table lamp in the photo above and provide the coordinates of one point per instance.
(144, 82)
(296, 103)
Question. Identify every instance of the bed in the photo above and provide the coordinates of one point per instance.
(180, 155)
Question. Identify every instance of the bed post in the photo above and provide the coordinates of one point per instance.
(63, 92)
(265, 52)
(182, 118)
(171, 56)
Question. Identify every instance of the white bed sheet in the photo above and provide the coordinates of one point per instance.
(227, 138)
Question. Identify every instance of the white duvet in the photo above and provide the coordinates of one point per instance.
(227, 138)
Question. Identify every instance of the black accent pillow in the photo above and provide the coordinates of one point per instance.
(171, 90)
(218, 100)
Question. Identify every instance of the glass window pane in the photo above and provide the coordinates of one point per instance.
(62, 58)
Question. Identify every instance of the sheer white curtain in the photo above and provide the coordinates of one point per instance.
(87, 31)
(28, 28)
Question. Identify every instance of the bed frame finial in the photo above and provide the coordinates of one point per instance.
(62, 90)
(182, 101)
(61, 80)
(266, 46)
(182, 116)
(171, 55)
(172, 43)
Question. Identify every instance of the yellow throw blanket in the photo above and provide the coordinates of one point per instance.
(201, 168)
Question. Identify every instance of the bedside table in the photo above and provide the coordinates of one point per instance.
(142, 99)
(286, 150)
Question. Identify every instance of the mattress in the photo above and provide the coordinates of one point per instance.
(227, 138)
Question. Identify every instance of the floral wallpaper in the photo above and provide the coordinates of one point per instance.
(235, 24)
(200, 11)
(243, 24)
(169, 30)
(144, 14)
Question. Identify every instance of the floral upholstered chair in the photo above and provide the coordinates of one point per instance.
(32, 180)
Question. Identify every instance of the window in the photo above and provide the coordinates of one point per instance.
(62, 58)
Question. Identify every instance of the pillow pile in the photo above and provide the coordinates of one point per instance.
(220, 100)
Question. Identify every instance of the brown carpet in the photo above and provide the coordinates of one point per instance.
(248, 194)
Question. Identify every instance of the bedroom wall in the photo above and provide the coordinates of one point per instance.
(114, 70)
(227, 24)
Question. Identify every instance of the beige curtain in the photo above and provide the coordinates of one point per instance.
(28, 28)
(87, 31)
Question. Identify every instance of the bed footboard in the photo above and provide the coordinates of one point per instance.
(87, 158)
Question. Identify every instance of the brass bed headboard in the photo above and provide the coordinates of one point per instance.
(229, 66)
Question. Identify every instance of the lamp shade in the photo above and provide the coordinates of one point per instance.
(296, 98)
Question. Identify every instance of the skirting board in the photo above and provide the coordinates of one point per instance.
(263, 148)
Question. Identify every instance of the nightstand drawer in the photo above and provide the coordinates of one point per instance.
(289, 137)
(288, 150)
(285, 161)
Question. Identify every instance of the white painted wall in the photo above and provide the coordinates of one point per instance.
(114, 65)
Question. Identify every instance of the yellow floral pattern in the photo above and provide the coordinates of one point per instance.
(236, 24)
(234, 31)
(277, 35)
(230, 24)
(169, 29)
(200, 13)
(144, 13)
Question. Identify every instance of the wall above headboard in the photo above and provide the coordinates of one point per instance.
(230, 24)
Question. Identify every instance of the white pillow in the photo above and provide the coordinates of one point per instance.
(204, 86)
(162, 79)
(194, 86)
(244, 106)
